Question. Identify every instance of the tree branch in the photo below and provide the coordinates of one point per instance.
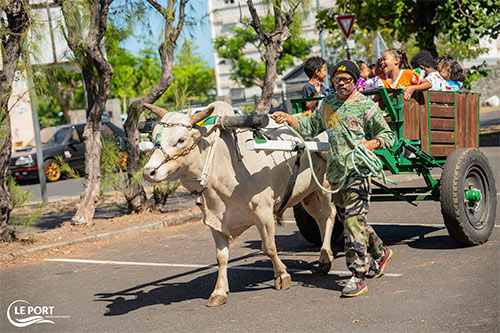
(291, 13)
(180, 22)
(255, 23)
(156, 6)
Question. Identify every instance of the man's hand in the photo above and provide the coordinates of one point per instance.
(280, 117)
(370, 145)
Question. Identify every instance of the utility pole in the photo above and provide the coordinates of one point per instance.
(36, 127)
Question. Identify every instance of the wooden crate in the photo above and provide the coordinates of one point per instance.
(442, 121)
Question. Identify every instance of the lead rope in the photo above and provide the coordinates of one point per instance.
(366, 157)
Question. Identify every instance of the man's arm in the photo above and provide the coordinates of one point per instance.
(311, 126)
(378, 129)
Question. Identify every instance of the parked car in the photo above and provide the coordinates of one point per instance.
(65, 141)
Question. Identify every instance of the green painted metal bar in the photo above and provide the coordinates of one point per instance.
(412, 199)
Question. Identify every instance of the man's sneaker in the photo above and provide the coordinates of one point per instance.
(377, 266)
(355, 287)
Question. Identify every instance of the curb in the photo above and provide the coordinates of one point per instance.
(173, 221)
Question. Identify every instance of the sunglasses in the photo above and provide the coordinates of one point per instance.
(346, 80)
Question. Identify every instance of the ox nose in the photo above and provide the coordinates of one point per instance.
(149, 173)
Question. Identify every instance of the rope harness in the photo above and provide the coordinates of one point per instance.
(365, 157)
(185, 151)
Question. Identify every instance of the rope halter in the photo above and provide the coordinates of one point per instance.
(157, 140)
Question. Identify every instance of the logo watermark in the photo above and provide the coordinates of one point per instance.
(21, 314)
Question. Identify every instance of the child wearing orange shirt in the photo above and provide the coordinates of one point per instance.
(397, 74)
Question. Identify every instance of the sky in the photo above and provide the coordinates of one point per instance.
(200, 33)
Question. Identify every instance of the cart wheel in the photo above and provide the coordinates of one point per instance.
(309, 228)
(52, 171)
(468, 196)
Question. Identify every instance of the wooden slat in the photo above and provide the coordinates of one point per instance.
(442, 124)
(442, 111)
(441, 97)
(424, 128)
(467, 120)
(441, 150)
(472, 120)
(461, 121)
(410, 118)
(442, 137)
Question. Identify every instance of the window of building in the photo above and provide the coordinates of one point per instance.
(237, 94)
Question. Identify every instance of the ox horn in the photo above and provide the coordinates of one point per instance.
(156, 109)
(197, 117)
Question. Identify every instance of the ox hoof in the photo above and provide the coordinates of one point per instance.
(216, 300)
(283, 282)
(324, 268)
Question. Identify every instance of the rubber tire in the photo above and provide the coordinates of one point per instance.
(309, 229)
(460, 165)
(58, 175)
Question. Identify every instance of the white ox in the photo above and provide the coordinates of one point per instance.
(239, 188)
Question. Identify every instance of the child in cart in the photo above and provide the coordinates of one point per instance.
(397, 74)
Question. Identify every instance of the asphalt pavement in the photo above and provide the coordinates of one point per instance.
(161, 280)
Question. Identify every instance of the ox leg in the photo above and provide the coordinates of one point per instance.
(282, 280)
(219, 295)
(318, 205)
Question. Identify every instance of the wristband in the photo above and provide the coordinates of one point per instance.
(379, 142)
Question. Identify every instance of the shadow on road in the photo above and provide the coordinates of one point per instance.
(412, 235)
(490, 140)
(52, 221)
(167, 291)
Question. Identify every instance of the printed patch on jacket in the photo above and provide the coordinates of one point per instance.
(353, 124)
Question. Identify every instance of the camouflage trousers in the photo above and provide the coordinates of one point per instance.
(360, 240)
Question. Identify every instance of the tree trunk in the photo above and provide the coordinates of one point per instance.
(426, 33)
(98, 88)
(6, 231)
(273, 42)
(271, 59)
(137, 200)
(97, 74)
(12, 38)
(136, 196)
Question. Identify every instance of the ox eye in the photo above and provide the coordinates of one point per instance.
(181, 141)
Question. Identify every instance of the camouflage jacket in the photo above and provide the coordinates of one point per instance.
(360, 116)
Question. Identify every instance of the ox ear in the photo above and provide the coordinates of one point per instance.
(156, 109)
(197, 117)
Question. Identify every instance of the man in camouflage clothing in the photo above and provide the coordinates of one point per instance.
(350, 119)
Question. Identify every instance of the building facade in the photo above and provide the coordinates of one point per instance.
(225, 14)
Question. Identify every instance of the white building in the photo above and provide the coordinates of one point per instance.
(225, 14)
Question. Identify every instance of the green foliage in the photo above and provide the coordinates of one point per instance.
(112, 167)
(475, 73)
(50, 112)
(18, 197)
(452, 22)
(162, 191)
(192, 75)
(248, 71)
(66, 169)
(465, 21)
(133, 76)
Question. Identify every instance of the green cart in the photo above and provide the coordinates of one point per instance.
(434, 130)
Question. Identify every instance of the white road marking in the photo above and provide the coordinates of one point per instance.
(244, 268)
(401, 224)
